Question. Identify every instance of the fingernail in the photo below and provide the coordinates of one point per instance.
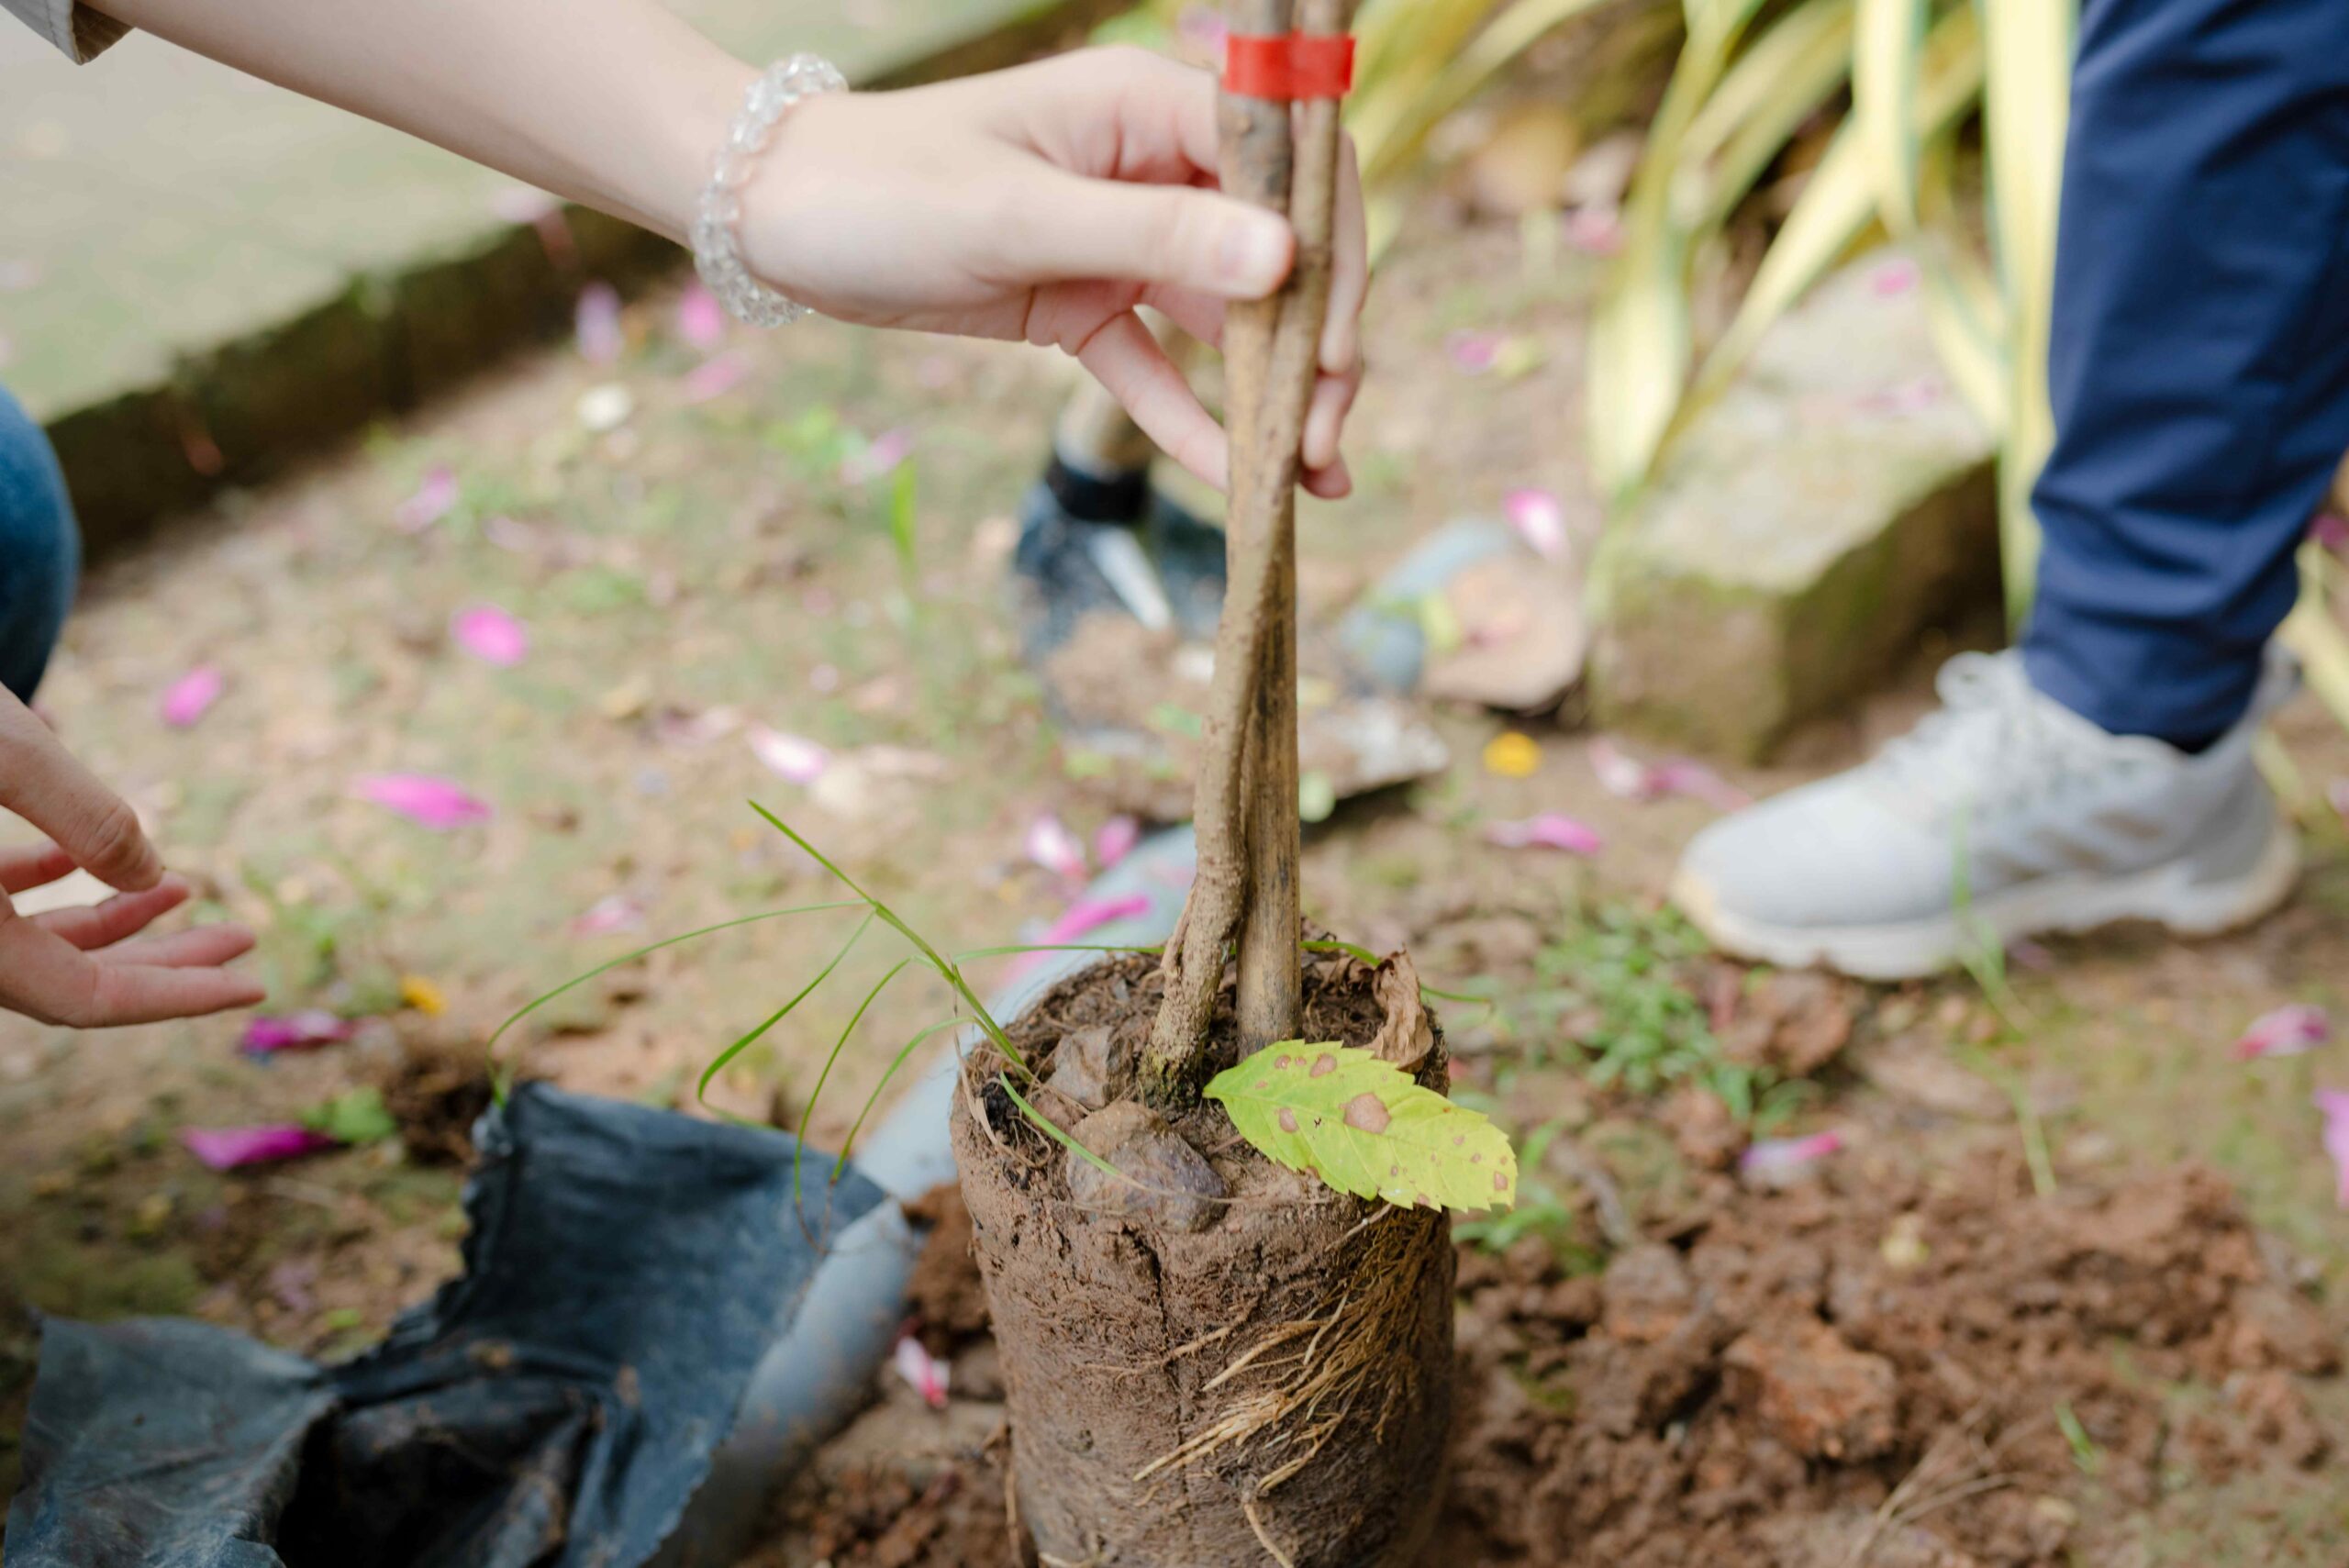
(1254, 254)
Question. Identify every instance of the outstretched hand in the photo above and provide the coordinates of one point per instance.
(93, 968)
(1046, 204)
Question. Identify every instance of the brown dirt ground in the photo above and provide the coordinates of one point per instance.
(1894, 1363)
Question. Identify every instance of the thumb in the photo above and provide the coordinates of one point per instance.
(1174, 235)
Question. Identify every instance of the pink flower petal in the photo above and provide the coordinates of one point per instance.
(599, 324)
(1892, 279)
(2335, 1104)
(923, 1372)
(1621, 775)
(701, 320)
(1050, 844)
(1774, 1159)
(1200, 25)
(2291, 1030)
(435, 498)
(1473, 353)
(714, 378)
(2339, 795)
(1116, 840)
(1540, 519)
(191, 697)
(1700, 783)
(1080, 921)
(230, 1148)
(1595, 231)
(491, 635)
(1548, 831)
(613, 913)
(1625, 777)
(298, 1031)
(792, 757)
(436, 803)
(879, 457)
(2331, 530)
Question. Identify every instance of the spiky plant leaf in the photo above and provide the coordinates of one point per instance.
(1365, 1126)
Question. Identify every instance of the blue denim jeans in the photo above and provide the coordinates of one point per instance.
(40, 550)
(2200, 364)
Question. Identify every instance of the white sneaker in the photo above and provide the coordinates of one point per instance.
(2058, 826)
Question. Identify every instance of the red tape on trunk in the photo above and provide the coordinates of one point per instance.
(1288, 69)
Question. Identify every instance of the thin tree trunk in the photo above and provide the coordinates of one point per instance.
(1271, 997)
(1245, 808)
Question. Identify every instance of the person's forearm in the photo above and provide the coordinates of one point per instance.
(613, 102)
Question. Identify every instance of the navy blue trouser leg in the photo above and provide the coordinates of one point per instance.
(40, 550)
(2201, 359)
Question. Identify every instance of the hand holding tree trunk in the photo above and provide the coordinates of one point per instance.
(1286, 156)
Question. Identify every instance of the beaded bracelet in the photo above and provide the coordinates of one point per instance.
(718, 241)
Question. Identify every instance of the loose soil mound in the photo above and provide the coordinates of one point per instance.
(1878, 1369)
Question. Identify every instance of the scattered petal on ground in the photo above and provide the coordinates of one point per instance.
(298, 1031)
(491, 635)
(191, 697)
(701, 320)
(1050, 844)
(1625, 777)
(1116, 840)
(231, 1148)
(792, 757)
(717, 376)
(1551, 831)
(2291, 1030)
(923, 1372)
(879, 456)
(1512, 755)
(1080, 921)
(2335, 1104)
(1777, 1159)
(435, 498)
(1698, 781)
(1473, 353)
(1595, 231)
(1890, 280)
(1540, 519)
(436, 803)
(613, 913)
(598, 323)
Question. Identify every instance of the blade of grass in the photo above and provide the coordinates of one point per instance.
(1052, 1130)
(710, 1072)
(501, 1082)
(807, 1115)
(947, 972)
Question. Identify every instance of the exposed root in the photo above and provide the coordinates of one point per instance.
(1256, 1523)
(1349, 1360)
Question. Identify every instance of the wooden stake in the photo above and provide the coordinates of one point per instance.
(1245, 810)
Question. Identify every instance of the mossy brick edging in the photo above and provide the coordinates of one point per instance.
(244, 409)
(1835, 504)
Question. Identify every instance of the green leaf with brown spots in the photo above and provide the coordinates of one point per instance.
(1365, 1126)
